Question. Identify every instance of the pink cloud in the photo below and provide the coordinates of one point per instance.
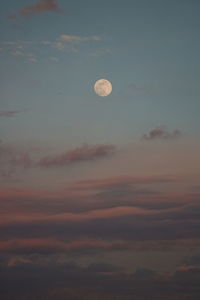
(53, 245)
(79, 154)
(120, 211)
(41, 6)
(120, 181)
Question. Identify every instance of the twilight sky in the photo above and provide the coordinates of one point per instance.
(99, 196)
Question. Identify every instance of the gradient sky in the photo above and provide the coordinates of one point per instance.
(100, 192)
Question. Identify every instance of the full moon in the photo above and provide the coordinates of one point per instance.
(103, 87)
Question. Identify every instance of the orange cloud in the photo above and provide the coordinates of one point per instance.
(41, 6)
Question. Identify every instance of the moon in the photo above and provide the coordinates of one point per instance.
(103, 87)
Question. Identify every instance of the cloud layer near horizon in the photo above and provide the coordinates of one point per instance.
(35, 278)
(88, 215)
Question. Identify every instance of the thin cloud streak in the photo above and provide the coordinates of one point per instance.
(75, 217)
(121, 181)
(54, 245)
(73, 38)
(9, 113)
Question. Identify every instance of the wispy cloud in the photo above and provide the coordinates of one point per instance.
(28, 50)
(9, 113)
(121, 182)
(79, 154)
(28, 57)
(101, 52)
(70, 42)
(21, 50)
(160, 133)
(11, 159)
(40, 6)
(99, 214)
(74, 38)
(53, 246)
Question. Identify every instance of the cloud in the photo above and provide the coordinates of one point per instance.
(99, 214)
(28, 50)
(100, 52)
(73, 38)
(79, 154)
(77, 219)
(85, 246)
(122, 189)
(74, 281)
(193, 260)
(12, 16)
(53, 59)
(21, 50)
(145, 274)
(9, 113)
(120, 182)
(69, 42)
(161, 133)
(139, 89)
(30, 57)
(11, 159)
(102, 268)
(127, 223)
(98, 208)
(53, 246)
(40, 6)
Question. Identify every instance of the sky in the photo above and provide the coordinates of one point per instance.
(99, 196)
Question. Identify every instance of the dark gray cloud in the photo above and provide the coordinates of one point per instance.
(195, 260)
(144, 274)
(102, 268)
(160, 133)
(9, 113)
(74, 282)
(11, 159)
(79, 154)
